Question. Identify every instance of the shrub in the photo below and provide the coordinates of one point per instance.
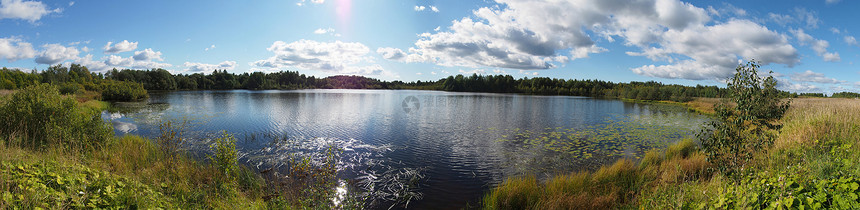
(38, 117)
(70, 88)
(123, 91)
(745, 128)
(170, 141)
(224, 157)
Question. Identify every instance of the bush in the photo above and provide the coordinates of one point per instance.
(70, 88)
(746, 127)
(123, 91)
(38, 117)
(225, 158)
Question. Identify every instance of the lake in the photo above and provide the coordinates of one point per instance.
(458, 145)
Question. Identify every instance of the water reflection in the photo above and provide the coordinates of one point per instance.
(452, 143)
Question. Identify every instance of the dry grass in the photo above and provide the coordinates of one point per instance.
(607, 188)
(5, 92)
(810, 120)
(703, 105)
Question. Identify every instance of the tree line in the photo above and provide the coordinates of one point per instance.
(161, 79)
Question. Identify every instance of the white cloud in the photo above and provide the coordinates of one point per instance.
(124, 46)
(529, 35)
(115, 60)
(832, 1)
(302, 2)
(391, 53)
(147, 55)
(56, 53)
(71, 3)
(209, 48)
(419, 73)
(850, 40)
(329, 31)
(205, 67)
(420, 8)
(807, 17)
(323, 30)
(85, 49)
(93, 66)
(145, 59)
(473, 71)
(810, 76)
(835, 30)
(801, 16)
(433, 72)
(780, 18)
(785, 84)
(26, 10)
(332, 57)
(13, 49)
(434, 9)
(726, 10)
(817, 45)
(437, 28)
(715, 50)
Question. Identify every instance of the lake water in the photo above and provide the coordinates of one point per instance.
(461, 144)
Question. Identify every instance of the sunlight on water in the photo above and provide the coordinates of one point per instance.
(444, 154)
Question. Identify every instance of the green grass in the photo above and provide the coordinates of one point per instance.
(56, 153)
(814, 163)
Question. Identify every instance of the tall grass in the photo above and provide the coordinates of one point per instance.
(609, 187)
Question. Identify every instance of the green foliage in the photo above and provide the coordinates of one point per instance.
(746, 127)
(39, 117)
(70, 88)
(781, 191)
(53, 185)
(846, 95)
(15, 79)
(123, 91)
(225, 154)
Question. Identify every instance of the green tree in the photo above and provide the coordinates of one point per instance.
(747, 123)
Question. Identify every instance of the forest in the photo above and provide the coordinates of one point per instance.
(75, 77)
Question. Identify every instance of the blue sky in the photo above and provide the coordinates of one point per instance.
(810, 45)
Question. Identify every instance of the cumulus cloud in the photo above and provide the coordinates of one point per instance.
(532, 35)
(205, 67)
(209, 48)
(56, 53)
(810, 76)
(92, 65)
(147, 55)
(715, 50)
(420, 8)
(13, 49)
(332, 57)
(145, 59)
(124, 46)
(817, 45)
(26, 10)
(391, 53)
(434, 9)
(785, 84)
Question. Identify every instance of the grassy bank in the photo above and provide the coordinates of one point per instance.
(812, 164)
(57, 153)
(703, 106)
